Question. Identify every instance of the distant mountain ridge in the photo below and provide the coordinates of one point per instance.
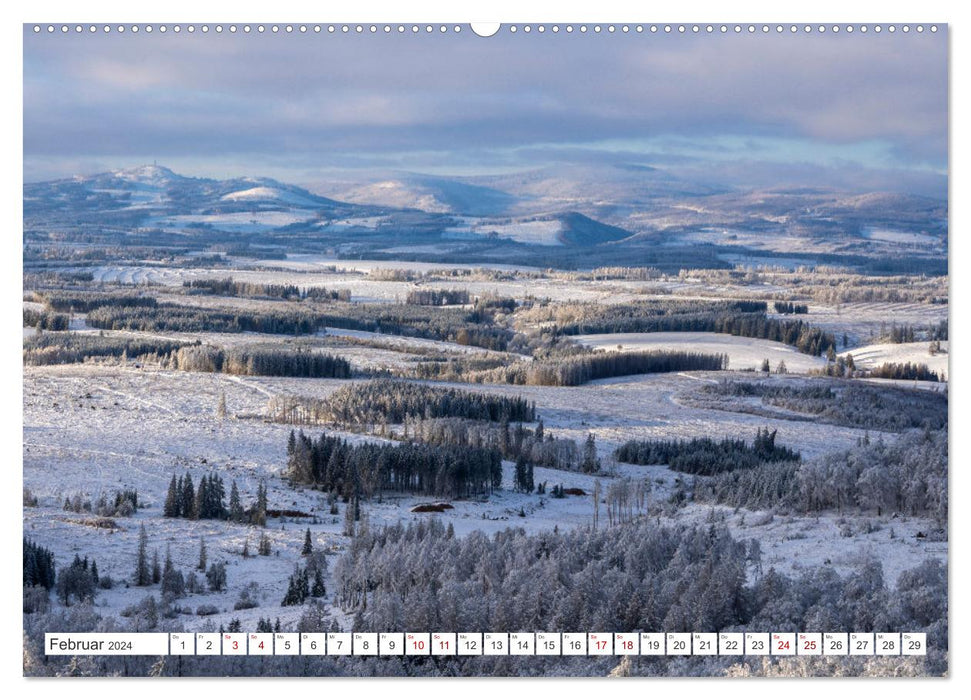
(158, 187)
(608, 207)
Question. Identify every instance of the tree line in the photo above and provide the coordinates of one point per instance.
(788, 307)
(46, 320)
(905, 370)
(229, 287)
(705, 456)
(438, 297)
(574, 370)
(83, 301)
(749, 324)
(366, 469)
(57, 348)
(389, 401)
(68, 348)
(208, 501)
(452, 324)
(453, 368)
(267, 362)
(190, 319)
(527, 447)
(591, 317)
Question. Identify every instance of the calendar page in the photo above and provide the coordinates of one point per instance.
(598, 349)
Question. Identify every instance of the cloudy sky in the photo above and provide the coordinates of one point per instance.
(853, 111)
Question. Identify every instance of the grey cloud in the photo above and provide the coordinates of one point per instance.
(377, 99)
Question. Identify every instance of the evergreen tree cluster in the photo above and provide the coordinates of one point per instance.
(623, 318)
(489, 302)
(908, 476)
(939, 332)
(192, 319)
(705, 456)
(908, 333)
(216, 576)
(59, 348)
(365, 469)
(523, 476)
(39, 569)
(173, 582)
(323, 294)
(638, 316)
(46, 320)
(905, 370)
(453, 324)
(841, 402)
(83, 301)
(183, 500)
(438, 297)
(305, 582)
(228, 287)
(452, 368)
(537, 447)
(788, 307)
(902, 334)
(389, 401)
(254, 361)
(207, 502)
(266, 625)
(123, 504)
(78, 581)
(577, 370)
(843, 366)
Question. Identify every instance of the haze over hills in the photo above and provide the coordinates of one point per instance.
(430, 193)
(627, 213)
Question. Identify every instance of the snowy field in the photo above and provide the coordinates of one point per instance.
(871, 356)
(743, 353)
(863, 322)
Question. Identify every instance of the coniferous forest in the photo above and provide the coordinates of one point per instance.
(385, 401)
(705, 456)
(363, 470)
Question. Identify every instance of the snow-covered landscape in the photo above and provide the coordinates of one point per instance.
(110, 425)
(336, 334)
(147, 378)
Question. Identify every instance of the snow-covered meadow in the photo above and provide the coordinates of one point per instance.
(743, 353)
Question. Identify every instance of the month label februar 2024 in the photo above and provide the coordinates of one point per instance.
(425, 644)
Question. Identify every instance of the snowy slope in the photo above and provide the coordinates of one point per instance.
(743, 353)
(872, 356)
